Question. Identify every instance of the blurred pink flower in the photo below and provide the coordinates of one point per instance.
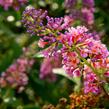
(47, 66)
(12, 3)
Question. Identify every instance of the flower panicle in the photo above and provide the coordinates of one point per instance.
(82, 54)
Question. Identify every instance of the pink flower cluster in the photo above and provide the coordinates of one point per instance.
(6, 4)
(80, 48)
(90, 81)
(16, 76)
(88, 11)
(47, 66)
(71, 62)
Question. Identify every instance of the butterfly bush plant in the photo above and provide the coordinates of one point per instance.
(82, 54)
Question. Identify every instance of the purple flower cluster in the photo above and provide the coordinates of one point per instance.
(58, 24)
(12, 3)
(33, 20)
(39, 23)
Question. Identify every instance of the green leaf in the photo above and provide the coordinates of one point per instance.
(38, 55)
